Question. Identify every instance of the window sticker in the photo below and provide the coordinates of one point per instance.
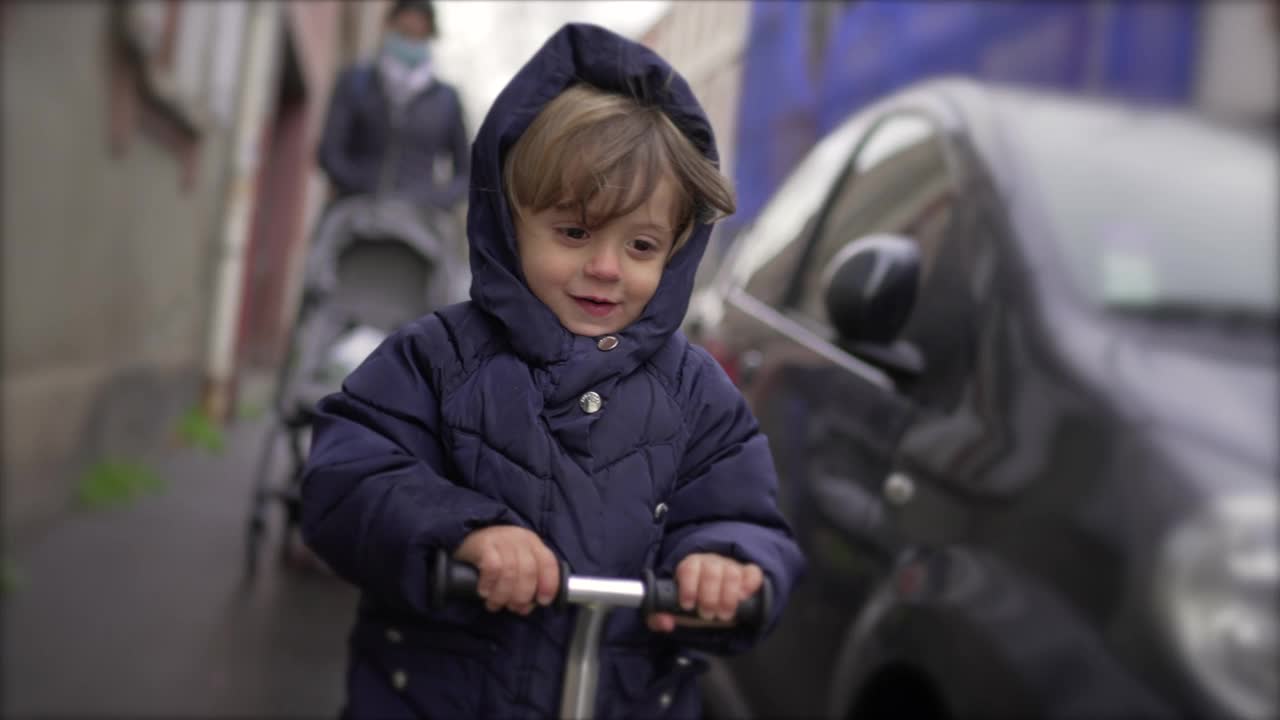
(1129, 275)
(1128, 278)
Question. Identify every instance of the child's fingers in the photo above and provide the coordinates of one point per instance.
(730, 590)
(752, 580)
(710, 580)
(688, 575)
(526, 579)
(662, 622)
(548, 574)
(489, 565)
(506, 582)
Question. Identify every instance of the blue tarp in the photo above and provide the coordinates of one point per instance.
(808, 66)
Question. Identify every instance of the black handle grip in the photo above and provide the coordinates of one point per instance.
(453, 581)
(662, 595)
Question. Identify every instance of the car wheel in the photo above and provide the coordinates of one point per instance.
(899, 691)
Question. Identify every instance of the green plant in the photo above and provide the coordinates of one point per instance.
(251, 411)
(110, 483)
(198, 429)
(11, 578)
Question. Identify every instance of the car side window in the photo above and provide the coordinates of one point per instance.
(899, 182)
(769, 251)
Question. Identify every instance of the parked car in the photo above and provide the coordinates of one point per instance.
(1016, 356)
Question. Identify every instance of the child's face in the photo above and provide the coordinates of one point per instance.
(597, 281)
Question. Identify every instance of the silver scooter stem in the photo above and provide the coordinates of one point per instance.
(595, 597)
(583, 665)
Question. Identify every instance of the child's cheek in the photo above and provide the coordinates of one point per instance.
(649, 282)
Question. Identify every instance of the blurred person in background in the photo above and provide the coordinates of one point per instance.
(392, 122)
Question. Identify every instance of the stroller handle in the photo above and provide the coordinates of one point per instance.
(455, 581)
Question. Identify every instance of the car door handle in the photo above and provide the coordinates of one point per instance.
(856, 512)
(899, 488)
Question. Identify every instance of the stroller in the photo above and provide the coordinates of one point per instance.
(375, 264)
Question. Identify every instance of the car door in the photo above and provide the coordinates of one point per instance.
(906, 180)
(834, 420)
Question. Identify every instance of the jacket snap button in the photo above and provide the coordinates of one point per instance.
(590, 402)
(399, 679)
(665, 700)
(682, 661)
(660, 511)
(607, 343)
(393, 636)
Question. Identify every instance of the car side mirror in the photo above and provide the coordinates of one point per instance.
(870, 289)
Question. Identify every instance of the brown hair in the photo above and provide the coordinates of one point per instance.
(605, 153)
(422, 7)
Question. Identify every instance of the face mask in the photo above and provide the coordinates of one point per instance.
(410, 53)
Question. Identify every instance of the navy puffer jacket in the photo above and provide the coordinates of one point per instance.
(471, 417)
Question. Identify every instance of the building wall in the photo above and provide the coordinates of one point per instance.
(291, 189)
(104, 261)
(1238, 75)
(370, 19)
(808, 66)
(704, 41)
(468, 56)
(114, 225)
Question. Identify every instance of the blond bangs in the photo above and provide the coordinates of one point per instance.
(604, 155)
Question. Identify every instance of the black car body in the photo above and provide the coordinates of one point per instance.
(1016, 356)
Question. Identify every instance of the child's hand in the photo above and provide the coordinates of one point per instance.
(516, 568)
(714, 584)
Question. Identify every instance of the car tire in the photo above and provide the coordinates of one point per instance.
(899, 691)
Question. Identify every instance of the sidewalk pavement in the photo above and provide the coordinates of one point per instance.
(139, 611)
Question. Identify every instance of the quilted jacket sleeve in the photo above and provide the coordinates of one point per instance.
(725, 501)
(376, 498)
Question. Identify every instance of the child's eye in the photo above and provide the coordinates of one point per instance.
(644, 246)
(574, 233)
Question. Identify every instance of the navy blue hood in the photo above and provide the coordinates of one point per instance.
(590, 54)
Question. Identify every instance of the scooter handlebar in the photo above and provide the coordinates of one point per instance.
(662, 595)
(455, 581)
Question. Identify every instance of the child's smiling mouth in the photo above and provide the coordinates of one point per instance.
(595, 306)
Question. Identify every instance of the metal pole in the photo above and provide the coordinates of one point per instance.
(606, 591)
(595, 598)
(583, 666)
(257, 77)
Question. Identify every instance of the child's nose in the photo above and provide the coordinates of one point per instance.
(605, 264)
